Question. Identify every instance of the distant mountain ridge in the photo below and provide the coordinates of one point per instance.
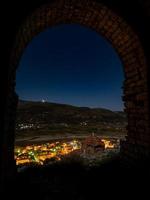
(45, 113)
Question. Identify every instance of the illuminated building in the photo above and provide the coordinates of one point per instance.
(92, 145)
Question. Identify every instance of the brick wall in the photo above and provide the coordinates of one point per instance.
(125, 41)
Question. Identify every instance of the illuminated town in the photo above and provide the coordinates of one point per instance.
(40, 153)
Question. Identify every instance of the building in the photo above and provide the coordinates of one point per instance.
(92, 144)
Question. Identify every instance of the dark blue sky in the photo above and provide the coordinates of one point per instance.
(71, 64)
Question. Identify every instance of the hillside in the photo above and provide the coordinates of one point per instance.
(38, 112)
(37, 118)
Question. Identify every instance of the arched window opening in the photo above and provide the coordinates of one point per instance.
(69, 83)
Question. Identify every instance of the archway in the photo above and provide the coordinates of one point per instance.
(69, 65)
(126, 43)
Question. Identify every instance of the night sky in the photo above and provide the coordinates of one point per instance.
(71, 64)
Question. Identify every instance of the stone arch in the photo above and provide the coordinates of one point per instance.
(123, 39)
